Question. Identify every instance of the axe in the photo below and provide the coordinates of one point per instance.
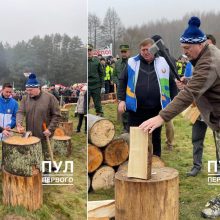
(159, 46)
(49, 147)
(24, 134)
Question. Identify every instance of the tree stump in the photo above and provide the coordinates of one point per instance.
(20, 155)
(22, 190)
(103, 178)
(64, 115)
(67, 127)
(95, 158)
(62, 145)
(153, 199)
(21, 170)
(116, 152)
(100, 130)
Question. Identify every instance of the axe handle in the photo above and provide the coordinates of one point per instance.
(12, 130)
(50, 150)
(48, 144)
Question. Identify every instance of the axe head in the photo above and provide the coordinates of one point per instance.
(153, 49)
(157, 46)
(27, 134)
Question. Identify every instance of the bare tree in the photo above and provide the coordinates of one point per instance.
(94, 24)
(112, 28)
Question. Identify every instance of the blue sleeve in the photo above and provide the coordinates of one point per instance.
(188, 70)
(13, 118)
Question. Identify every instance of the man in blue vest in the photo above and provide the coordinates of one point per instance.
(145, 87)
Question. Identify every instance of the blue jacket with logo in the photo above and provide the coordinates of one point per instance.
(8, 110)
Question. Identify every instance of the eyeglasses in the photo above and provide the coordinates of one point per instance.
(123, 51)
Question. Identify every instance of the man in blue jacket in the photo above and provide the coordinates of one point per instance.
(8, 108)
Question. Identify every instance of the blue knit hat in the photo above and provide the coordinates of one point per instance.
(32, 81)
(193, 35)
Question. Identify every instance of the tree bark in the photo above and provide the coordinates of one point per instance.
(156, 198)
(100, 130)
(62, 145)
(95, 158)
(116, 152)
(20, 155)
(64, 115)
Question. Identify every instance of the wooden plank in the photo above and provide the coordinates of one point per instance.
(104, 209)
(138, 155)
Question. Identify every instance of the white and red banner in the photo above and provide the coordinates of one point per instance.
(105, 52)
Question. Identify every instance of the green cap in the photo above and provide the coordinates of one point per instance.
(90, 46)
(124, 47)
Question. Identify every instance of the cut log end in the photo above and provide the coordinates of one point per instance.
(59, 132)
(61, 138)
(95, 158)
(116, 152)
(158, 174)
(102, 133)
(103, 178)
(21, 141)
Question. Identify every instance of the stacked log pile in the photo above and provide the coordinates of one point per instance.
(105, 153)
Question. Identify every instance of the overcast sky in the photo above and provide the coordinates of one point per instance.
(23, 19)
(137, 12)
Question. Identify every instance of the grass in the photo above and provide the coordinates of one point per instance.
(194, 191)
(60, 202)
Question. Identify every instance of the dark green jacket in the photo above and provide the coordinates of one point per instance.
(119, 67)
(95, 74)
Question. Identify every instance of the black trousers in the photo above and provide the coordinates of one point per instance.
(81, 116)
(107, 86)
(136, 118)
(198, 135)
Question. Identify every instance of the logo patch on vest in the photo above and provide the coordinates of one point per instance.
(163, 70)
(9, 110)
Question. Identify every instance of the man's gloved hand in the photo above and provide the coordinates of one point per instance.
(102, 90)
